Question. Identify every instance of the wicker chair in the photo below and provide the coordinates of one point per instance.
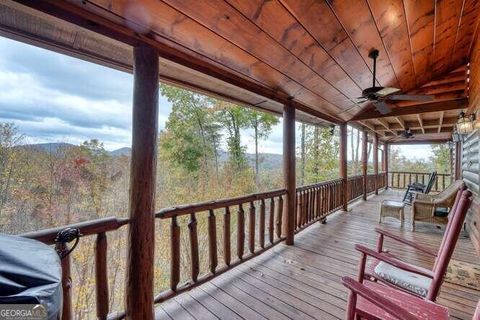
(426, 208)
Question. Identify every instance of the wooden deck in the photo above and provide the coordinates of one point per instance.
(303, 281)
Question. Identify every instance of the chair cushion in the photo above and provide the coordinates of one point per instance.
(407, 280)
(441, 212)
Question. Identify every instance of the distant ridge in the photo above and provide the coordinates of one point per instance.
(267, 160)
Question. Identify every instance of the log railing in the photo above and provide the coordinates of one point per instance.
(252, 235)
(98, 228)
(354, 187)
(315, 202)
(401, 179)
(382, 180)
(258, 219)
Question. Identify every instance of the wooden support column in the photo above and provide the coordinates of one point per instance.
(141, 240)
(458, 160)
(289, 177)
(386, 154)
(343, 165)
(375, 160)
(364, 162)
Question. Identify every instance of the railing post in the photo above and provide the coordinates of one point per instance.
(343, 165)
(385, 159)
(458, 160)
(289, 172)
(375, 160)
(364, 163)
(141, 239)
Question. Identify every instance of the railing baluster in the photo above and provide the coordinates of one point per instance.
(279, 217)
(101, 276)
(271, 218)
(67, 289)
(261, 229)
(298, 211)
(226, 236)
(240, 231)
(175, 253)
(251, 228)
(192, 226)
(212, 240)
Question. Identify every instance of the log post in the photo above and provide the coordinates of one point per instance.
(386, 154)
(141, 240)
(289, 172)
(364, 163)
(343, 165)
(458, 160)
(375, 160)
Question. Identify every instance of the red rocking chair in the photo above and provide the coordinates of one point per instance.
(375, 301)
(421, 282)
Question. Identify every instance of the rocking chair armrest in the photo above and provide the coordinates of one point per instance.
(393, 261)
(405, 241)
(377, 299)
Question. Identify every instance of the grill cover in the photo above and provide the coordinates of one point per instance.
(30, 273)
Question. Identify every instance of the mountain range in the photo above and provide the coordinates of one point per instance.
(267, 160)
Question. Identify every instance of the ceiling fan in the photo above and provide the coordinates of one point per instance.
(407, 133)
(380, 95)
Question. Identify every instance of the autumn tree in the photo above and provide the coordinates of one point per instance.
(262, 124)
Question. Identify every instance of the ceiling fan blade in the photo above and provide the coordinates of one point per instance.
(410, 97)
(386, 91)
(382, 107)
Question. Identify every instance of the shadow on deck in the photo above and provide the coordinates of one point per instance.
(303, 281)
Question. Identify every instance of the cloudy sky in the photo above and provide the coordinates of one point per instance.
(56, 98)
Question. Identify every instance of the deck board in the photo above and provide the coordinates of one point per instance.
(303, 281)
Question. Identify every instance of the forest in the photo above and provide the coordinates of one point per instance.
(201, 157)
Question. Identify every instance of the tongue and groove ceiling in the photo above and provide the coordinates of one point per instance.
(317, 51)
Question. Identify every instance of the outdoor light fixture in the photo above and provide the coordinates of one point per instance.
(465, 124)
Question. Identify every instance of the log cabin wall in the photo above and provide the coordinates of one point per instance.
(471, 149)
(471, 176)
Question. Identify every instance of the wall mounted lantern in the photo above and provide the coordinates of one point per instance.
(465, 124)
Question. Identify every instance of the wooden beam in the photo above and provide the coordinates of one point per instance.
(289, 178)
(401, 122)
(421, 108)
(371, 127)
(385, 124)
(76, 15)
(440, 121)
(143, 165)
(375, 160)
(420, 121)
(364, 162)
(343, 165)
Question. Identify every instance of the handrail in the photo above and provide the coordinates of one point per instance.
(203, 206)
(86, 228)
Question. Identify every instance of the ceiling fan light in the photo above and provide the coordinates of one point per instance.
(386, 91)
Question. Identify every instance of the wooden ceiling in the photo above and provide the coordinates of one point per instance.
(314, 51)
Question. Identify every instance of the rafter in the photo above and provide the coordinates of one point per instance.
(384, 123)
(401, 122)
(371, 127)
(421, 108)
(440, 121)
(420, 121)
